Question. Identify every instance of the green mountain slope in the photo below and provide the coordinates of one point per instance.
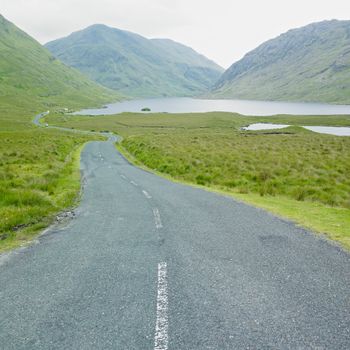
(30, 76)
(39, 167)
(311, 63)
(135, 65)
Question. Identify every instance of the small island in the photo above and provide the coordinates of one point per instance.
(146, 109)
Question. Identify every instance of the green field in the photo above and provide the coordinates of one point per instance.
(292, 172)
(39, 175)
(39, 170)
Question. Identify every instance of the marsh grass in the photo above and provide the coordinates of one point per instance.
(292, 172)
(210, 149)
(39, 175)
(300, 166)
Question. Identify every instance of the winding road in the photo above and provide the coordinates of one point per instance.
(151, 264)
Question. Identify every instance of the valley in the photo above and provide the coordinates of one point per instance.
(151, 199)
(292, 171)
(39, 169)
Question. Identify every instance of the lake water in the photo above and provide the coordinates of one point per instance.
(264, 126)
(331, 130)
(245, 107)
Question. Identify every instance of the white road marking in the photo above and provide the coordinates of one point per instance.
(147, 195)
(161, 333)
(157, 219)
(123, 177)
(134, 183)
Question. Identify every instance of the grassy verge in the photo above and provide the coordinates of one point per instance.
(39, 173)
(292, 172)
(39, 176)
(333, 222)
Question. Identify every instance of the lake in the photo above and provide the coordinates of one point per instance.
(245, 107)
(331, 130)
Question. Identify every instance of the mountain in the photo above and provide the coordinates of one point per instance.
(30, 75)
(135, 65)
(311, 63)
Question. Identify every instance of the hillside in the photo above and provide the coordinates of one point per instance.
(135, 65)
(30, 76)
(39, 167)
(311, 63)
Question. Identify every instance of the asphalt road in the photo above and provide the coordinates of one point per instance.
(151, 264)
(110, 136)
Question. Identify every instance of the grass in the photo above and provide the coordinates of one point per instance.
(292, 172)
(31, 76)
(300, 166)
(39, 172)
(39, 176)
(333, 221)
(39, 168)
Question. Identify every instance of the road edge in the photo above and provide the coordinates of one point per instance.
(247, 199)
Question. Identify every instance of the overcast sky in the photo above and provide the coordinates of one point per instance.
(223, 30)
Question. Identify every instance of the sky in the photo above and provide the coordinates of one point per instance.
(222, 30)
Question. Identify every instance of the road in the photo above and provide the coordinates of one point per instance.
(110, 136)
(151, 264)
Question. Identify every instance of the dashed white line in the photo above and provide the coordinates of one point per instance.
(157, 219)
(134, 183)
(123, 176)
(147, 195)
(161, 333)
